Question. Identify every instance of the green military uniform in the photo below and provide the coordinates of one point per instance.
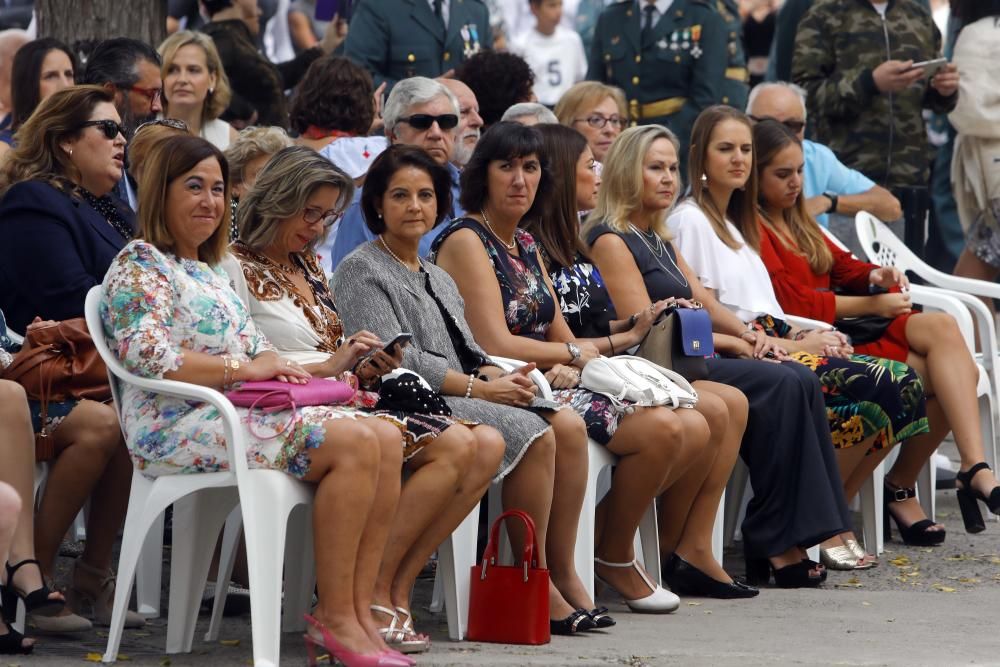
(398, 39)
(735, 87)
(673, 73)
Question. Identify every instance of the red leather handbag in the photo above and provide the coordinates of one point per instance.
(509, 604)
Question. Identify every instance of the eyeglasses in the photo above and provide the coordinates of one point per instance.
(423, 121)
(313, 215)
(110, 128)
(597, 121)
(174, 123)
(795, 126)
(153, 94)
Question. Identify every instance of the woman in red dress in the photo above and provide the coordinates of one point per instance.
(806, 267)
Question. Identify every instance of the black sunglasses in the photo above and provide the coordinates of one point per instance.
(423, 121)
(795, 126)
(110, 128)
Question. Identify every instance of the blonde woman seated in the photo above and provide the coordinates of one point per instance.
(195, 86)
(595, 110)
(872, 403)
(169, 312)
(275, 271)
(247, 155)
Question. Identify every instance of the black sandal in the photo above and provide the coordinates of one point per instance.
(576, 622)
(917, 534)
(37, 602)
(968, 495)
(12, 643)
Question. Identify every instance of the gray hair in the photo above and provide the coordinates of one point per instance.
(410, 92)
(768, 85)
(12, 37)
(541, 113)
(282, 188)
(250, 144)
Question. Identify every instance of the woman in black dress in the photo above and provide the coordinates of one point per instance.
(798, 499)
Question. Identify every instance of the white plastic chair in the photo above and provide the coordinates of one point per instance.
(886, 249)
(202, 503)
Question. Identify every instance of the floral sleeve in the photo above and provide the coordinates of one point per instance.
(137, 311)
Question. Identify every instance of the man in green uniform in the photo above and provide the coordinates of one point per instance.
(399, 39)
(735, 87)
(668, 56)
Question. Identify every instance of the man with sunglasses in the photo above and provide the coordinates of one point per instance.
(828, 185)
(418, 112)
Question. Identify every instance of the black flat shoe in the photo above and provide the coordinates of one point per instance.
(578, 621)
(967, 497)
(917, 534)
(601, 619)
(685, 579)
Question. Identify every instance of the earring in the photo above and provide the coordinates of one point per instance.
(211, 91)
(70, 152)
(704, 178)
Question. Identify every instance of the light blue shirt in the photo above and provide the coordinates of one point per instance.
(352, 231)
(823, 172)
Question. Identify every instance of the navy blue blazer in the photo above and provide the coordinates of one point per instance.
(53, 249)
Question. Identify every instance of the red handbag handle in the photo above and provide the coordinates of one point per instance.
(530, 544)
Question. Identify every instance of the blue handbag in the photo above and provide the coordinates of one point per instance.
(680, 340)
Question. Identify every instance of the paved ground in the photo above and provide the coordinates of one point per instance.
(919, 607)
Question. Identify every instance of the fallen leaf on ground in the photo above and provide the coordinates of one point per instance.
(901, 561)
(865, 603)
(229, 642)
(694, 604)
(93, 657)
(943, 588)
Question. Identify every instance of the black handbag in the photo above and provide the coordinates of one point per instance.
(405, 391)
(864, 328)
(680, 340)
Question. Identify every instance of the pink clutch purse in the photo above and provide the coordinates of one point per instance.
(275, 396)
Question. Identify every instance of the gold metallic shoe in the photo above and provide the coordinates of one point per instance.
(838, 558)
(865, 560)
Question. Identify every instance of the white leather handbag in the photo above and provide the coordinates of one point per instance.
(633, 381)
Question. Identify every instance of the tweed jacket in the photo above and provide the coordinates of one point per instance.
(374, 292)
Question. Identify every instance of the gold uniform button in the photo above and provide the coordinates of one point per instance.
(635, 81)
(411, 58)
(447, 56)
(725, 99)
(677, 59)
(638, 59)
(607, 56)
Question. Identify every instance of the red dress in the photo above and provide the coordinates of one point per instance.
(804, 293)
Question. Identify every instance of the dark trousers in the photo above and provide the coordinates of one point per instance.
(915, 202)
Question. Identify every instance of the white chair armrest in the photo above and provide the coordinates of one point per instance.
(806, 323)
(15, 337)
(536, 376)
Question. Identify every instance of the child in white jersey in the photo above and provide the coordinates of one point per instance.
(555, 53)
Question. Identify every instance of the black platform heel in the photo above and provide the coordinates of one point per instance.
(12, 643)
(917, 534)
(37, 602)
(796, 575)
(967, 497)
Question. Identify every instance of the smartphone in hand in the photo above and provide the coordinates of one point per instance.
(930, 67)
(402, 340)
(327, 9)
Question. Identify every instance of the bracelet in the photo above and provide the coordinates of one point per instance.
(631, 321)
(468, 387)
(225, 372)
(612, 345)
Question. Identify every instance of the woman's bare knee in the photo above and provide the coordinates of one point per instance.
(348, 445)
(490, 445)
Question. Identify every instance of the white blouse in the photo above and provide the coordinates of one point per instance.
(739, 277)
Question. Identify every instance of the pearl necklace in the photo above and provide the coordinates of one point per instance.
(659, 251)
(511, 245)
(395, 257)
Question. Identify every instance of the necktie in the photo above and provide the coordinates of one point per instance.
(439, 10)
(647, 20)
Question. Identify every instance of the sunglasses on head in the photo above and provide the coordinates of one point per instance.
(423, 121)
(110, 128)
(795, 126)
(174, 123)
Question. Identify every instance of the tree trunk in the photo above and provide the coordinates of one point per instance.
(79, 20)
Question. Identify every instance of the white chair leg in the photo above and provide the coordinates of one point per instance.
(456, 557)
(149, 571)
(927, 491)
(735, 490)
(872, 509)
(198, 519)
(718, 530)
(649, 543)
(437, 595)
(227, 558)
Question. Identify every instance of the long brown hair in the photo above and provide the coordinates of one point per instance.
(742, 207)
(37, 155)
(558, 227)
(771, 137)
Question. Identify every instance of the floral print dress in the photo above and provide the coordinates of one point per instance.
(529, 309)
(157, 306)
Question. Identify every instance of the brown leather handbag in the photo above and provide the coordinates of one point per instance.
(58, 362)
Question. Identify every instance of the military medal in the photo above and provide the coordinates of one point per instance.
(686, 35)
(475, 38)
(674, 38)
(662, 44)
(696, 38)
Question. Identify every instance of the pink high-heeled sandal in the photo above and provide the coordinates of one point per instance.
(344, 655)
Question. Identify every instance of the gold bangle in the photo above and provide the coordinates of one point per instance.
(225, 372)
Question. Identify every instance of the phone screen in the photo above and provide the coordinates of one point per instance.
(327, 9)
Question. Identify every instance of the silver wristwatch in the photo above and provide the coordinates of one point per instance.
(574, 352)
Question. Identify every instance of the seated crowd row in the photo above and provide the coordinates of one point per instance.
(529, 251)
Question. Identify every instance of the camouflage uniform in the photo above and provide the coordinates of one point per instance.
(838, 44)
(735, 88)
(670, 76)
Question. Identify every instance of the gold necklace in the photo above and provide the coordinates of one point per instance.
(511, 245)
(395, 257)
